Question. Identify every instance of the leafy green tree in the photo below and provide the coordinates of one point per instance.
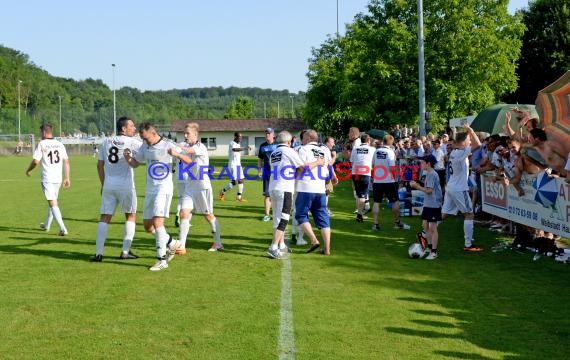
(240, 108)
(369, 77)
(92, 129)
(545, 53)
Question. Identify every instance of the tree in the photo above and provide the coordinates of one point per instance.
(545, 53)
(369, 77)
(240, 108)
(92, 129)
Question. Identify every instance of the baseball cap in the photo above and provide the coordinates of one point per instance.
(429, 159)
(269, 131)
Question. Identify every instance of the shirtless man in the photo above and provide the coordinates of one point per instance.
(551, 151)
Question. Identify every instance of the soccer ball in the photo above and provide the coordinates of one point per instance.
(415, 251)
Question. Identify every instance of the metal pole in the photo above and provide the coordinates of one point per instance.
(292, 111)
(337, 19)
(60, 129)
(19, 133)
(278, 110)
(114, 104)
(422, 81)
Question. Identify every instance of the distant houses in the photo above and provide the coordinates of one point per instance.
(217, 134)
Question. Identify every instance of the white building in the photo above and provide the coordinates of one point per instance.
(217, 134)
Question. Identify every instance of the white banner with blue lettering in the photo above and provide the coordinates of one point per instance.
(544, 205)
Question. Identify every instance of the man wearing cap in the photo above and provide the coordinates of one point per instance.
(264, 166)
(431, 213)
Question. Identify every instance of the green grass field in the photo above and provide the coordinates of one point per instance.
(366, 301)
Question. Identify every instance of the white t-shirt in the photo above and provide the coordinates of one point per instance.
(158, 162)
(440, 157)
(118, 174)
(458, 169)
(384, 162)
(284, 164)
(200, 179)
(360, 156)
(234, 156)
(312, 181)
(51, 154)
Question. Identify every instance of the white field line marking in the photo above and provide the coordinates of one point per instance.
(286, 344)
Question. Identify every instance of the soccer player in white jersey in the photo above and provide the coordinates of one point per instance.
(157, 152)
(284, 164)
(361, 159)
(457, 190)
(53, 158)
(196, 191)
(310, 188)
(234, 163)
(118, 187)
(385, 177)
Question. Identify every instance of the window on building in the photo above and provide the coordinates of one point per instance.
(209, 142)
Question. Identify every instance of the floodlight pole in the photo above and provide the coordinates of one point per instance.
(422, 81)
(60, 129)
(19, 132)
(114, 104)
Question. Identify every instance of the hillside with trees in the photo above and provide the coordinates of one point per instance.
(87, 105)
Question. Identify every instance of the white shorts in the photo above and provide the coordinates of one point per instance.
(126, 199)
(198, 201)
(455, 201)
(277, 201)
(51, 190)
(157, 205)
(237, 172)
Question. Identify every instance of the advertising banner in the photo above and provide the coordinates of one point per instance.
(544, 205)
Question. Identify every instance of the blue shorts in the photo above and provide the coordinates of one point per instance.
(317, 204)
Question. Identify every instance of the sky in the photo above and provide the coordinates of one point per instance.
(178, 44)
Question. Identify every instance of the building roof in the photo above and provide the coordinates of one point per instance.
(257, 125)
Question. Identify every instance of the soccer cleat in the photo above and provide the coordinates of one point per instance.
(472, 248)
(128, 256)
(402, 226)
(215, 248)
(359, 218)
(301, 242)
(421, 239)
(376, 227)
(173, 245)
(181, 251)
(63, 232)
(266, 218)
(97, 258)
(159, 265)
(43, 227)
(241, 200)
(221, 195)
(275, 254)
(432, 256)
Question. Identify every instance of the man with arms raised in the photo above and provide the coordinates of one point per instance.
(117, 187)
(457, 190)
